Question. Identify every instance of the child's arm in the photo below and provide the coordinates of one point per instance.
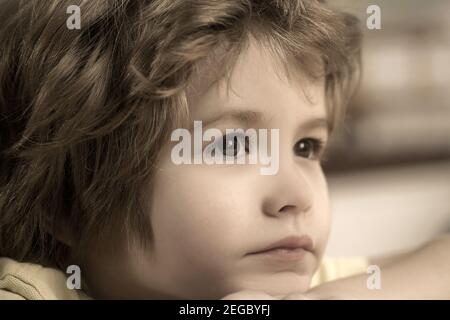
(422, 274)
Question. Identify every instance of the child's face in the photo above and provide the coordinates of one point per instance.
(207, 218)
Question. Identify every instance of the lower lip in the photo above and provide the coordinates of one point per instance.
(284, 254)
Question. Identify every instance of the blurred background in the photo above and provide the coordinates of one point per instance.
(389, 166)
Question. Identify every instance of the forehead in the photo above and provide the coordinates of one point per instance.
(257, 82)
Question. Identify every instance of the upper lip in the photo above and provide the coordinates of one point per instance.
(291, 242)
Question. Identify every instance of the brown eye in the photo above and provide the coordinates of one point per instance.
(230, 146)
(233, 145)
(308, 148)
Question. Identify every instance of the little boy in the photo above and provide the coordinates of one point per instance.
(88, 177)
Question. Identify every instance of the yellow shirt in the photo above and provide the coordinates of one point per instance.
(27, 281)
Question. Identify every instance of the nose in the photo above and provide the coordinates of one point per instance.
(289, 191)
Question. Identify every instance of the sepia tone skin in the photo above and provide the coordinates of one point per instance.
(206, 218)
(202, 238)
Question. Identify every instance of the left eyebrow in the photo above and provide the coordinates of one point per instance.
(246, 117)
(316, 123)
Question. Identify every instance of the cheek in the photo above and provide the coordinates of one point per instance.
(323, 210)
(190, 210)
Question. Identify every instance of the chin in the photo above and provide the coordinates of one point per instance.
(275, 284)
(288, 282)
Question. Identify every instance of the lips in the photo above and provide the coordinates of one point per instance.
(291, 243)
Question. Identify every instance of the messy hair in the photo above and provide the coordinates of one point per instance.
(84, 113)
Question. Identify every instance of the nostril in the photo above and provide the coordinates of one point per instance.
(294, 209)
(287, 208)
